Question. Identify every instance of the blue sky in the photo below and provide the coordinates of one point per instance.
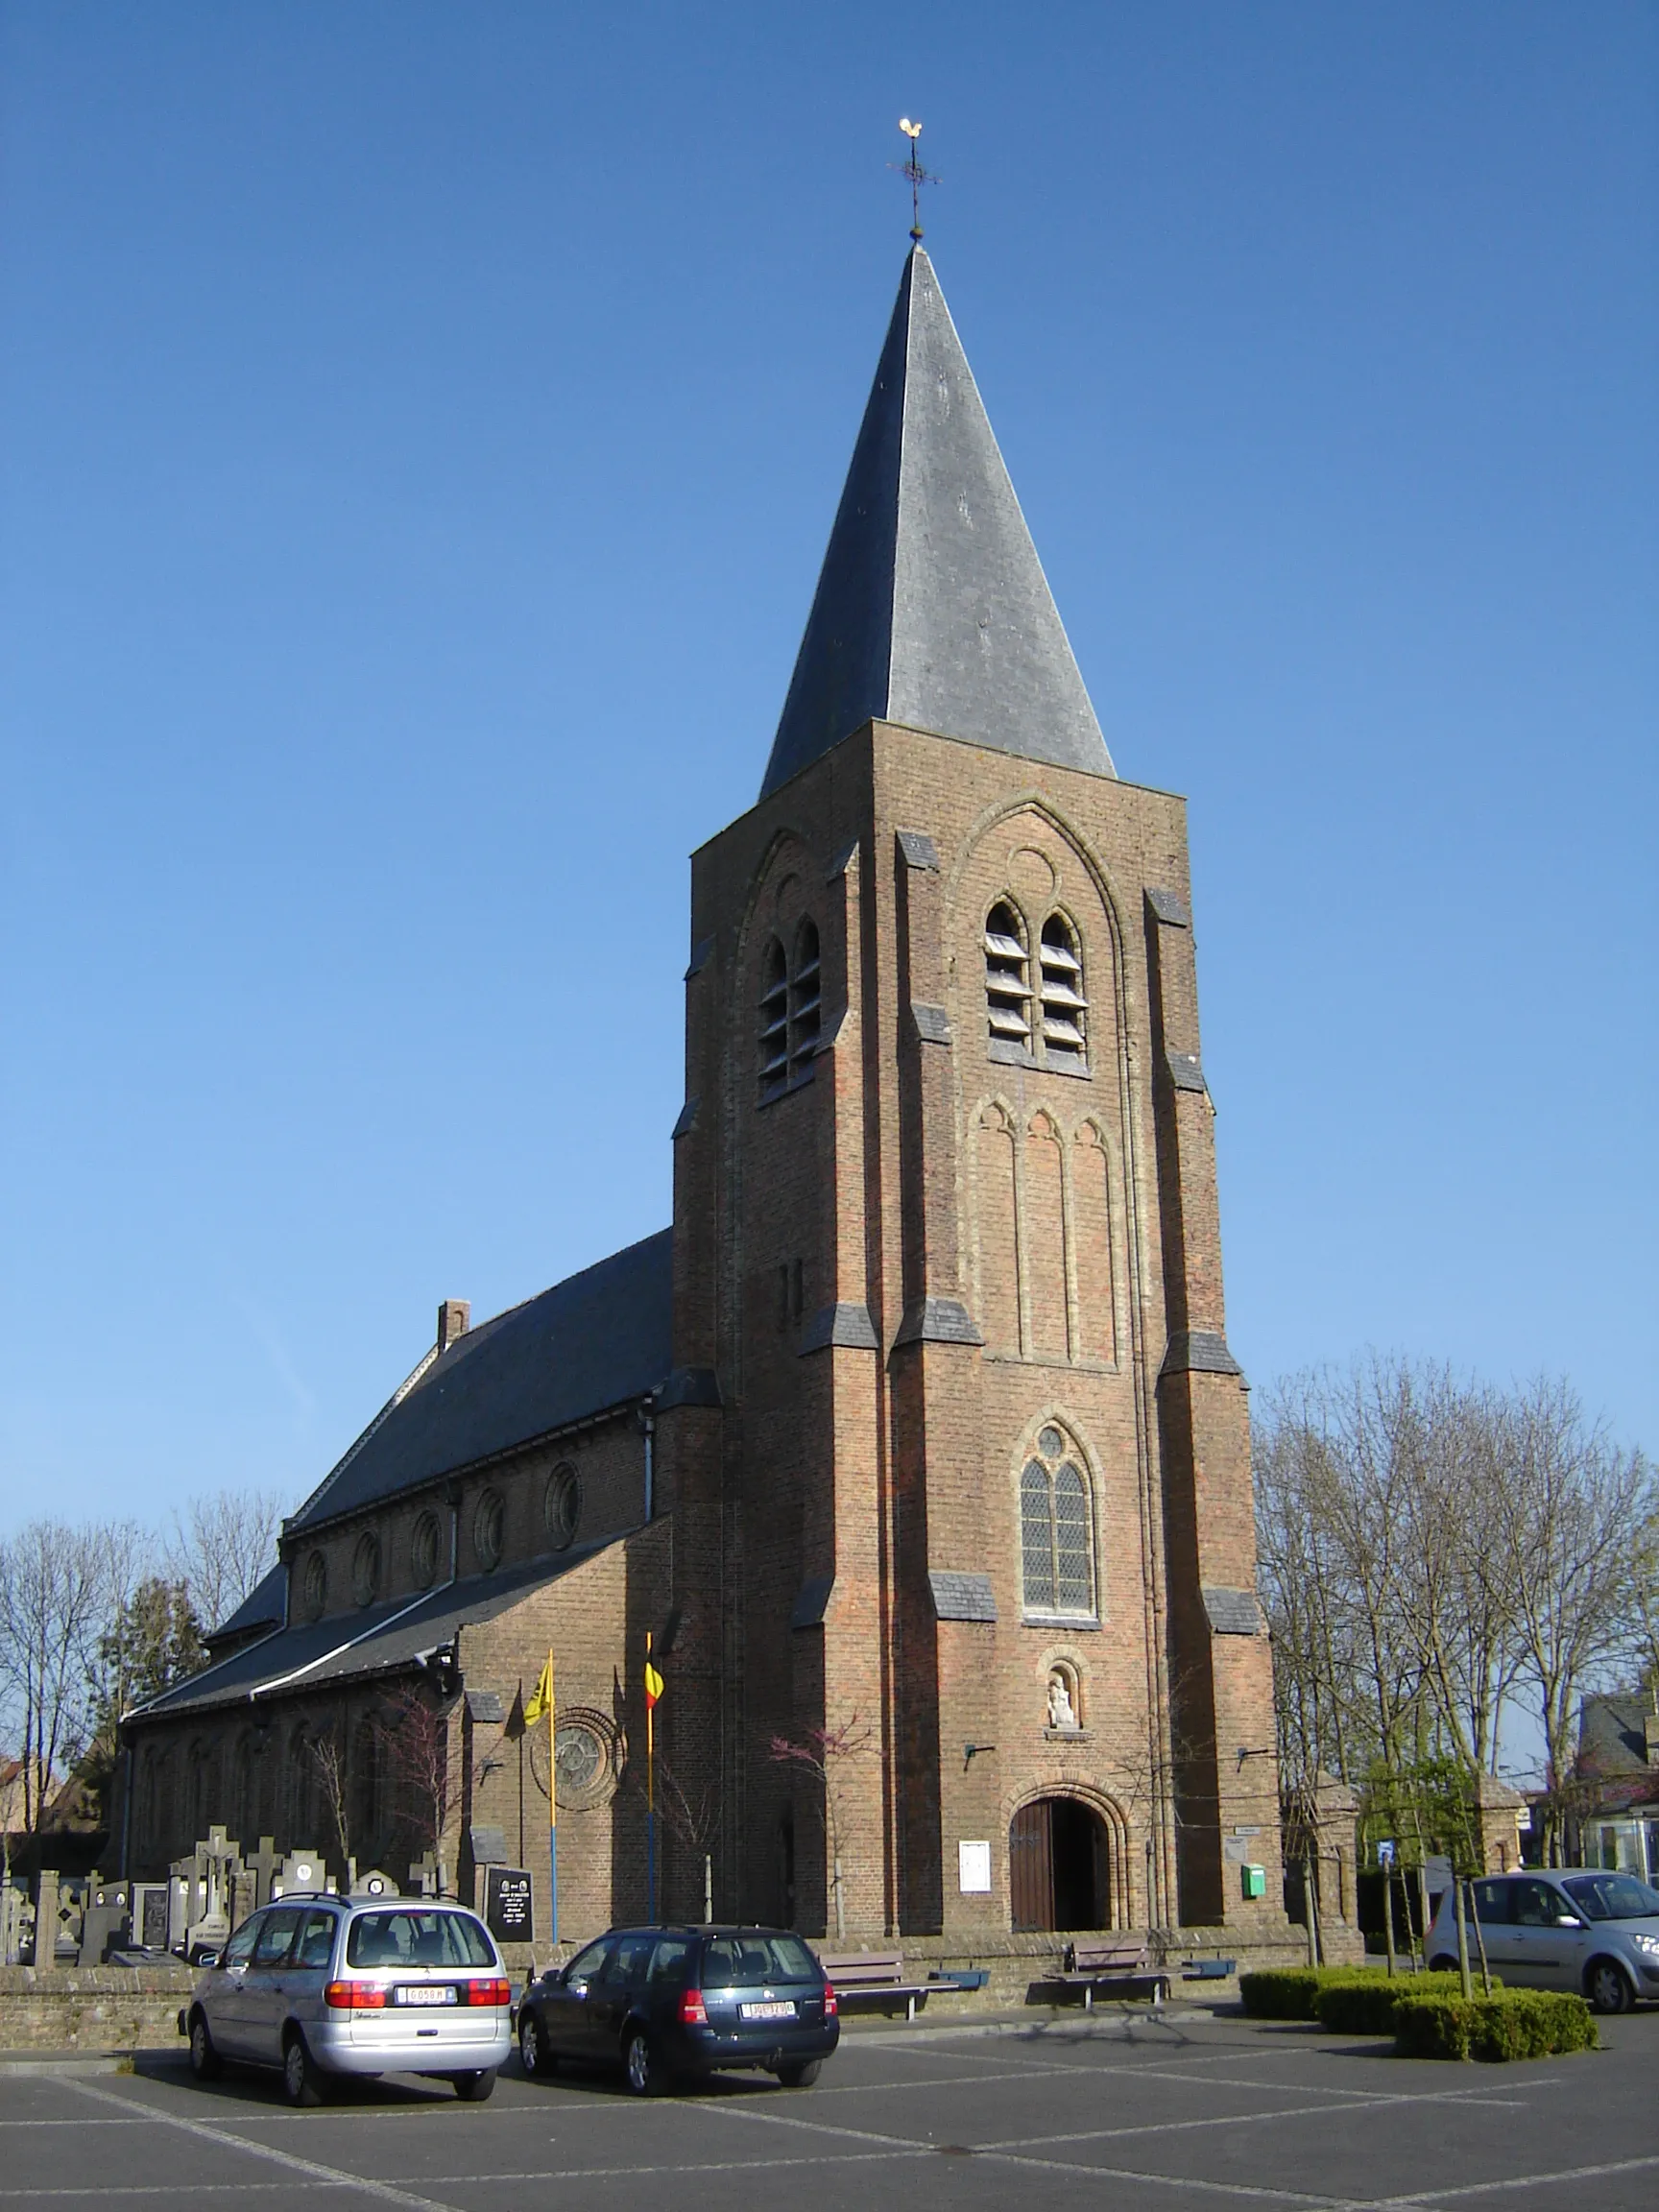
(420, 427)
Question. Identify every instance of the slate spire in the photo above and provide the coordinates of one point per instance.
(933, 608)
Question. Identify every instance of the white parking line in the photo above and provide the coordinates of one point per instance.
(1366, 2103)
(332, 2176)
(1432, 2197)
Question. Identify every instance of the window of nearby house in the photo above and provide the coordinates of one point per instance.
(1056, 1529)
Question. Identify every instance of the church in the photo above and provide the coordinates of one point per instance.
(914, 1445)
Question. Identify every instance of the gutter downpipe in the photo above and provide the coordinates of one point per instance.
(650, 1471)
(126, 1808)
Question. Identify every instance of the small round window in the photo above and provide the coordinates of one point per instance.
(423, 1551)
(488, 1530)
(562, 1506)
(315, 1587)
(366, 1569)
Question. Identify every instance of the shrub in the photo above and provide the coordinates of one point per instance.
(1292, 1992)
(1511, 2024)
(1363, 2004)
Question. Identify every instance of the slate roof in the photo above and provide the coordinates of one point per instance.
(933, 608)
(261, 1609)
(1612, 1740)
(381, 1637)
(595, 1340)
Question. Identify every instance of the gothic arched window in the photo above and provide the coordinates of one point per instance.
(1007, 982)
(1065, 1037)
(1056, 1528)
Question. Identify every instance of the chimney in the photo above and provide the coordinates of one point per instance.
(454, 1319)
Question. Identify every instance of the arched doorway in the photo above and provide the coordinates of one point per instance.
(1059, 1867)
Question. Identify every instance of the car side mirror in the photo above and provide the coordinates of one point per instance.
(1568, 1920)
(208, 1958)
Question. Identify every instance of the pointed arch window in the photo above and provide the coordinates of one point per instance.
(791, 1012)
(1007, 982)
(1056, 1529)
(1065, 1008)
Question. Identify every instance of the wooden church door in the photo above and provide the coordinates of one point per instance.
(1031, 1867)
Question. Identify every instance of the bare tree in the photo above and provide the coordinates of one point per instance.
(692, 1815)
(328, 1755)
(60, 1586)
(218, 1547)
(825, 1754)
(419, 1749)
(1567, 1514)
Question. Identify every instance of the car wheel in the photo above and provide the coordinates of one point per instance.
(1442, 1965)
(475, 2088)
(802, 2075)
(645, 2071)
(301, 2081)
(1608, 1988)
(534, 2050)
(205, 2062)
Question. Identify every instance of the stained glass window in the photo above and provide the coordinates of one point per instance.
(1056, 1532)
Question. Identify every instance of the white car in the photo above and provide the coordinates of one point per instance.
(320, 1985)
(1596, 1934)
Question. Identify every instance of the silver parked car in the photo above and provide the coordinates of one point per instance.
(1596, 1933)
(320, 1985)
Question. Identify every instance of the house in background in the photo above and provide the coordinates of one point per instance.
(1615, 1820)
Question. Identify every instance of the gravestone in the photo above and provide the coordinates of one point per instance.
(16, 1922)
(150, 1913)
(429, 1876)
(45, 1950)
(374, 1882)
(242, 1890)
(105, 1921)
(264, 1863)
(509, 1905)
(301, 1870)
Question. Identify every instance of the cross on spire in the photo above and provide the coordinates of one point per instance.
(918, 175)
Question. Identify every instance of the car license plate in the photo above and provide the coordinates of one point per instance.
(775, 2011)
(425, 1993)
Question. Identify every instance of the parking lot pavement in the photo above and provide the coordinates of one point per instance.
(1190, 2109)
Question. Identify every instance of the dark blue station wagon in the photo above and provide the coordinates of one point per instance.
(676, 2004)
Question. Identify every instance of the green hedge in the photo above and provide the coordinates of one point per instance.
(1513, 2024)
(1292, 1992)
(1359, 2008)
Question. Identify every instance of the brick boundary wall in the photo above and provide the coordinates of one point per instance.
(92, 2009)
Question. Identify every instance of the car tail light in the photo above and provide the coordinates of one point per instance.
(494, 1992)
(831, 2003)
(693, 2012)
(354, 1997)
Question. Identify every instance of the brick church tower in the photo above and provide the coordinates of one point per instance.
(957, 1458)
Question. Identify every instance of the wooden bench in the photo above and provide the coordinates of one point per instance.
(1121, 1965)
(877, 1977)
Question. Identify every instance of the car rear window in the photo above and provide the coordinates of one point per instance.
(404, 1938)
(732, 1961)
(1613, 1897)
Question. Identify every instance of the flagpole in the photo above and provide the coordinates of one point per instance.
(552, 1805)
(650, 1788)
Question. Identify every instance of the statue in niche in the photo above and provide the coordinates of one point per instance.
(1062, 1713)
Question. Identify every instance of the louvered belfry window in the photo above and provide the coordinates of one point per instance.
(1056, 1536)
(1065, 1038)
(773, 1022)
(791, 1013)
(806, 1003)
(1007, 979)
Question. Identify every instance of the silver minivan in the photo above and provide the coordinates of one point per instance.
(320, 1985)
(1569, 1928)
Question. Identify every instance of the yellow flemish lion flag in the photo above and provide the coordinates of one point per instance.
(540, 1706)
(540, 1702)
